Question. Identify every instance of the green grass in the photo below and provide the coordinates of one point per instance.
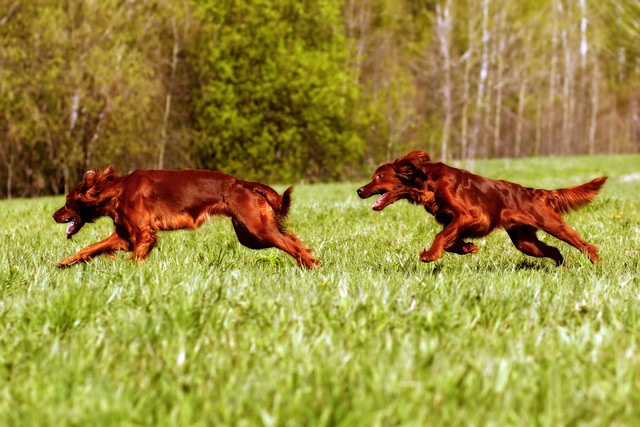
(207, 332)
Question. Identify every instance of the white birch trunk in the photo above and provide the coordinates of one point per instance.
(164, 134)
(567, 90)
(583, 105)
(482, 79)
(466, 95)
(550, 134)
(595, 101)
(522, 93)
(497, 145)
(443, 28)
(358, 17)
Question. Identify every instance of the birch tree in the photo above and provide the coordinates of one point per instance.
(443, 29)
(482, 80)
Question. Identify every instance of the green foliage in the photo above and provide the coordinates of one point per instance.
(312, 90)
(207, 332)
(275, 99)
(78, 89)
(621, 23)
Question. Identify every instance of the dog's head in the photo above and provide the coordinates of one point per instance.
(84, 201)
(396, 180)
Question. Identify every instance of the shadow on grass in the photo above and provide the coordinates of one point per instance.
(534, 265)
(491, 265)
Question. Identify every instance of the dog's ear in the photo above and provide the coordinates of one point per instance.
(418, 158)
(90, 179)
(93, 182)
(410, 166)
(108, 174)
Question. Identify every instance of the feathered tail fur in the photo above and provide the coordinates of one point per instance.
(286, 202)
(279, 204)
(573, 198)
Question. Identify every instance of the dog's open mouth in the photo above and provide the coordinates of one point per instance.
(379, 204)
(75, 224)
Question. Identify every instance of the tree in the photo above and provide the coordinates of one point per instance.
(275, 98)
(285, 89)
(79, 89)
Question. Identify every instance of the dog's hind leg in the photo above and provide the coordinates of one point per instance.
(269, 236)
(559, 229)
(461, 247)
(256, 226)
(526, 241)
(303, 254)
(143, 242)
(247, 238)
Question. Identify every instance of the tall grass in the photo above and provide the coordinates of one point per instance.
(207, 332)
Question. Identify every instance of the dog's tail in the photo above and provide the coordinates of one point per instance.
(283, 210)
(573, 198)
(279, 204)
(286, 202)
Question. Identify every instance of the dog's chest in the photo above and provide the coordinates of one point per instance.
(430, 204)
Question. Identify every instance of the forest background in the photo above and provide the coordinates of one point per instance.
(314, 90)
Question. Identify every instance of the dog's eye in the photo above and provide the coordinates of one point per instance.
(379, 176)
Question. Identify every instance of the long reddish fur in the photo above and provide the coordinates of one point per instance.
(469, 206)
(147, 201)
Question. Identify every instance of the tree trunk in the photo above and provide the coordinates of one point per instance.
(593, 122)
(482, 80)
(466, 95)
(443, 28)
(167, 105)
(10, 176)
(567, 92)
(497, 145)
(522, 93)
(553, 77)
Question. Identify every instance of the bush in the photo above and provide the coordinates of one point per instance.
(275, 97)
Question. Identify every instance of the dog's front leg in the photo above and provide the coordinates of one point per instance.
(444, 240)
(112, 243)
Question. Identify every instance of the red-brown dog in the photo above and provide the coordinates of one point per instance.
(147, 201)
(469, 206)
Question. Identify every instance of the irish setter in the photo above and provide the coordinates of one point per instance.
(469, 205)
(147, 201)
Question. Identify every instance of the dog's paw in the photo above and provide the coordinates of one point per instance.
(67, 262)
(309, 263)
(469, 248)
(428, 256)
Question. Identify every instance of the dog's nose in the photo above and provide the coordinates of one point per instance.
(360, 192)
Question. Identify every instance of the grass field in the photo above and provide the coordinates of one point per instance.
(207, 332)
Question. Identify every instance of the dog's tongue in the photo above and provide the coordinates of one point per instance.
(74, 226)
(378, 202)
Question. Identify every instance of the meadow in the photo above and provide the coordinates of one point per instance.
(207, 332)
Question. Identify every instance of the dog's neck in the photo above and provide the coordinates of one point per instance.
(422, 194)
(420, 197)
(106, 199)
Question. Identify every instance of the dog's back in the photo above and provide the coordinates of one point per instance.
(470, 205)
(147, 201)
